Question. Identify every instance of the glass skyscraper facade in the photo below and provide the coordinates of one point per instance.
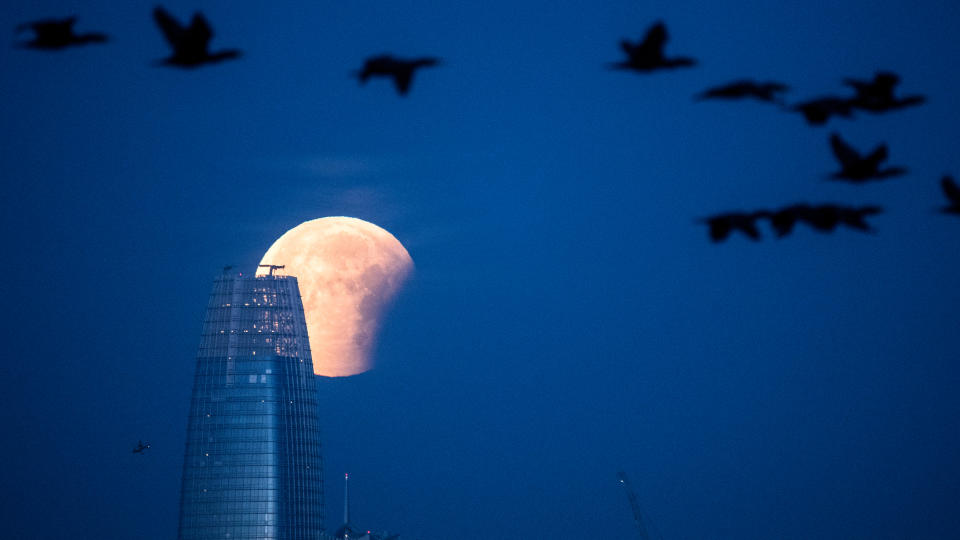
(253, 467)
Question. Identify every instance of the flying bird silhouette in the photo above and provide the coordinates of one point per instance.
(400, 70)
(721, 225)
(647, 55)
(877, 96)
(141, 446)
(190, 44)
(765, 91)
(826, 217)
(855, 218)
(783, 220)
(857, 168)
(952, 192)
(823, 217)
(55, 34)
(818, 111)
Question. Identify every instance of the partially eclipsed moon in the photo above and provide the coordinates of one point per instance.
(348, 271)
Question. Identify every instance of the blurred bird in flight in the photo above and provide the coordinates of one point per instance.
(190, 44)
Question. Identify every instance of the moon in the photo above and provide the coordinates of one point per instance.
(349, 272)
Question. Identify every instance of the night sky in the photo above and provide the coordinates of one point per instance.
(568, 317)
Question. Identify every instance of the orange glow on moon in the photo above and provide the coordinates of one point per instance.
(349, 271)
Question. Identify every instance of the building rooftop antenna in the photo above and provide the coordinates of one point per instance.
(346, 531)
(346, 498)
(272, 267)
(634, 506)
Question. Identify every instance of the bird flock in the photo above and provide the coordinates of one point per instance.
(874, 96)
(190, 46)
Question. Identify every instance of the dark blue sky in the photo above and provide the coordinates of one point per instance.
(568, 317)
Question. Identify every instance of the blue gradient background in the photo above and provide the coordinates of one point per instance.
(568, 317)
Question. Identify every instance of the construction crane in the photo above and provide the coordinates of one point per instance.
(634, 505)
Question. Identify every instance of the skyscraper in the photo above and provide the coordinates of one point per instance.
(252, 467)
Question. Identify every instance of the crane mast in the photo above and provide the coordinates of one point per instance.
(634, 505)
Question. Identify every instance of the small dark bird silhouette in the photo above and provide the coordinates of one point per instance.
(399, 69)
(783, 220)
(190, 44)
(823, 217)
(952, 192)
(855, 218)
(818, 111)
(647, 55)
(857, 168)
(721, 225)
(141, 446)
(765, 91)
(56, 34)
(826, 217)
(877, 95)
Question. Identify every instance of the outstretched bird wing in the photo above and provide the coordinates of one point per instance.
(749, 227)
(785, 219)
(734, 89)
(427, 61)
(744, 88)
(879, 155)
(719, 230)
(857, 84)
(855, 218)
(49, 28)
(881, 87)
(172, 29)
(402, 80)
(653, 42)
(885, 81)
(721, 225)
(200, 31)
(950, 189)
(844, 153)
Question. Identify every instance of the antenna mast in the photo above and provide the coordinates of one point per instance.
(346, 498)
(634, 505)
